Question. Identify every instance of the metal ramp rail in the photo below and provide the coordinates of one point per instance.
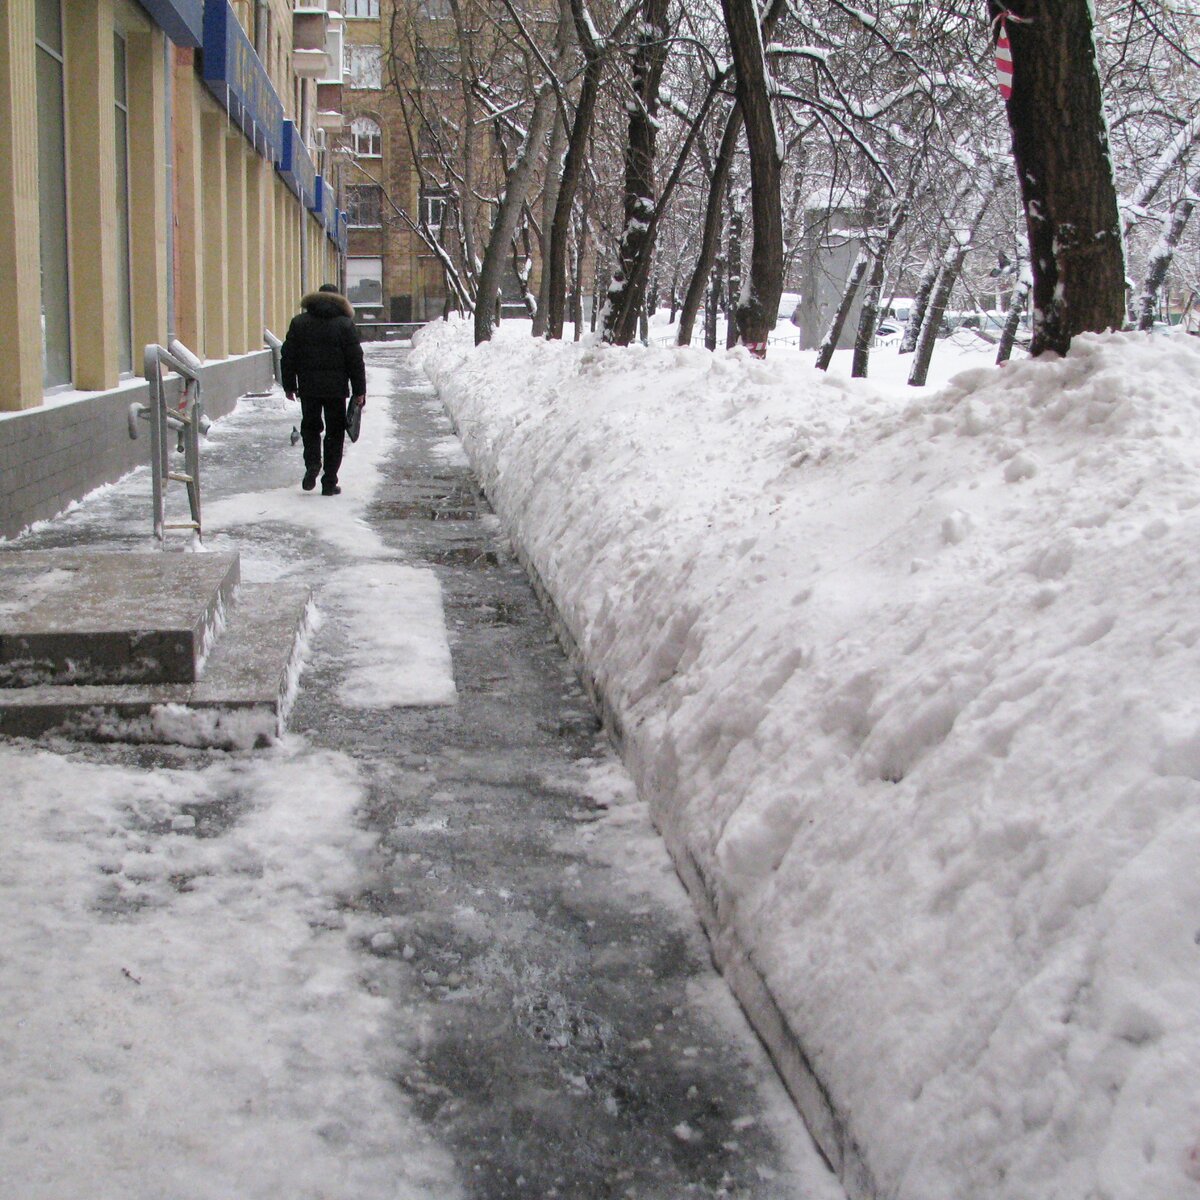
(186, 419)
(276, 348)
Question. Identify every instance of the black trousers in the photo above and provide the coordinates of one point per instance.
(329, 413)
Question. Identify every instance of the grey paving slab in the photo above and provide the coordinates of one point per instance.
(77, 616)
(237, 702)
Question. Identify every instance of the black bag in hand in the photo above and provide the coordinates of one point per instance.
(354, 417)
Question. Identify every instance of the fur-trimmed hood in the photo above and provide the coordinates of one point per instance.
(327, 304)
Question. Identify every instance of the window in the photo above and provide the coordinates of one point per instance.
(52, 195)
(364, 280)
(435, 10)
(433, 210)
(360, 8)
(437, 67)
(364, 205)
(121, 124)
(430, 137)
(366, 138)
(364, 67)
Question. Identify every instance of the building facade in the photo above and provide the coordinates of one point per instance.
(391, 272)
(167, 171)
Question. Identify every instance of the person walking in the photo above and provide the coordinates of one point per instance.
(322, 359)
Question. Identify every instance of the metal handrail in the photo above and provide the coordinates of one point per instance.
(276, 347)
(186, 418)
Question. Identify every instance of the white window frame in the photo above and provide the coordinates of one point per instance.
(360, 302)
(352, 206)
(433, 204)
(371, 71)
(58, 55)
(373, 137)
(125, 211)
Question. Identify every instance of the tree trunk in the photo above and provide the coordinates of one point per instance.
(1016, 307)
(522, 259)
(834, 332)
(733, 286)
(554, 167)
(919, 371)
(624, 293)
(718, 184)
(469, 202)
(952, 266)
(577, 289)
(756, 314)
(508, 212)
(868, 319)
(1160, 261)
(916, 316)
(573, 163)
(1060, 146)
(710, 240)
(713, 306)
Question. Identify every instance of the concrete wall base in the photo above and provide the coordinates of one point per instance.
(54, 455)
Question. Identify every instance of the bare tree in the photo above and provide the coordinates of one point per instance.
(625, 296)
(1160, 260)
(947, 276)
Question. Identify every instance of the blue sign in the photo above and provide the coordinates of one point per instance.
(317, 204)
(181, 20)
(238, 79)
(295, 167)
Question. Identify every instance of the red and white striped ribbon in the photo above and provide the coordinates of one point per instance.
(1004, 62)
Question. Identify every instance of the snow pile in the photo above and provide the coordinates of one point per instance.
(913, 685)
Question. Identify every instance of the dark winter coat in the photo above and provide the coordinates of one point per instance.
(322, 357)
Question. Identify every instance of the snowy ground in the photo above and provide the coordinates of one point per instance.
(910, 678)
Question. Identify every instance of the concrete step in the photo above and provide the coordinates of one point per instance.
(239, 702)
(82, 617)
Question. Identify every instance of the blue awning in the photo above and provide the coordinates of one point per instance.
(238, 79)
(296, 169)
(181, 20)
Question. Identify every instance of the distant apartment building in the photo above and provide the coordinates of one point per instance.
(166, 171)
(392, 274)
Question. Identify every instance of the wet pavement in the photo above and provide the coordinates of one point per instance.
(557, 1022)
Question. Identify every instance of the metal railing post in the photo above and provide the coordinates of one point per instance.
(186, 418)
(276, 347)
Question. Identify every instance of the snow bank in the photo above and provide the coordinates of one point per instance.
(913, 687)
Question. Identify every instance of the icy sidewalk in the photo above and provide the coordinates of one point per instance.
(428, 946)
